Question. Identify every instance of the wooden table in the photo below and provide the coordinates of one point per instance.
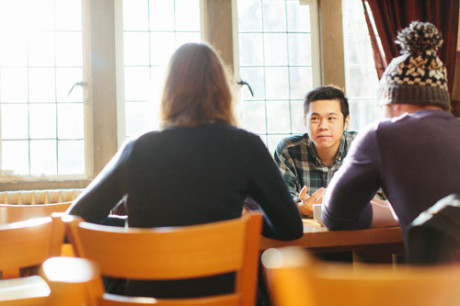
(368, 245)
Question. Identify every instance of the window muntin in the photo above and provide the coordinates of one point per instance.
(277, 58)
(360, 74)
(42, 126)
(152, 30)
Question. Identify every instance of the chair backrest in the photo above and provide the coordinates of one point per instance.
(294, 278)
(20, 212)
(434, 236)
(29, 243)
(175, 253)
(62, 281)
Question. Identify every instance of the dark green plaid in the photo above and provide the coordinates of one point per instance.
(300, 165)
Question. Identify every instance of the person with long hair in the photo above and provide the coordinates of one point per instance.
(198, 168)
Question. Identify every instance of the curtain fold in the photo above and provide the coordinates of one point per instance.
(390, 16)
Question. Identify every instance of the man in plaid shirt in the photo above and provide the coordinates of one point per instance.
(308, 162)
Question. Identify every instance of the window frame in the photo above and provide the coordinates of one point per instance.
(104, 108)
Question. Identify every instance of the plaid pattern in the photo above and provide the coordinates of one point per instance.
(300, 165)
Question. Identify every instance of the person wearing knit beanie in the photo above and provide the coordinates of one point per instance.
(413, 156)
(418, 76)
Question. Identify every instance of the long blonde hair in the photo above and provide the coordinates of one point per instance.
(197, 88)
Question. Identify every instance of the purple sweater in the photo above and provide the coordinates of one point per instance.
(414, 158)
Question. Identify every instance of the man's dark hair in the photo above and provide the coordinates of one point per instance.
(327, 93)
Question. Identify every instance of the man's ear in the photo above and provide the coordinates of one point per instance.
(347, 122)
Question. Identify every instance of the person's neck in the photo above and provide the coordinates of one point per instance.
(409, 108)
(327, 156)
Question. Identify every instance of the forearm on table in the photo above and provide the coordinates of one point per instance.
(382, 216)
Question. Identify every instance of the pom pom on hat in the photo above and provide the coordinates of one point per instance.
(418, 76)
(419, 37)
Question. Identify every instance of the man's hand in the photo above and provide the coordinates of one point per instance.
(306, 206)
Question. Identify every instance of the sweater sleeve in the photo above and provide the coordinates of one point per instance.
(281, 217)
(104, 192)
(346, 204)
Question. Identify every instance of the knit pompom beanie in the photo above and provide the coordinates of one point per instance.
(418, 76)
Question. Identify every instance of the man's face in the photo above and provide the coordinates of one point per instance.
(325, 124)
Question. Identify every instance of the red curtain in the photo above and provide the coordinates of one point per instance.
(390, 16)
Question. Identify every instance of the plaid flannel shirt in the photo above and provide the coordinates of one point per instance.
(300, 165)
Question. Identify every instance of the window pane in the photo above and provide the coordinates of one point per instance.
(135, 14)
(297, 20)
(278, 116)
(142, 115)
(274, 15)
(187, 15)
(70, 121)
(161, 15)
(136, 48)
(168, 24)
(249, 16)
(42, 121)
(137, 83)
(251, 50)
(71, 155)
(68, 49)
(273, 140)
(299, 49)
(43, 157)
(42, 49)
(253, 116)
(41, 14)
(277, 82)
(65, 79)
(359, 66)
(300, 81)
(42, 85)
(40, 60)
(359, 74)
(69, 16)
(275, 46)
(275, 56)
(15, 157)
(297, 115)
(185, 37)
(13, 85)
(254, 77)
(16, 52)
(14, 121)
(160, 54)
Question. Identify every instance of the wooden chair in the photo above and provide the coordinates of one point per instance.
(20, 212)
(294, 278)
(24, 247)
(62, 281)
(27, 244)
(174, 253)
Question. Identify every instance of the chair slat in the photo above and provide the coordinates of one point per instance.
(296, 279)
(174, 253)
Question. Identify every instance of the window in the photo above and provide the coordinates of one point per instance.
(278, 59)
(152, 30)
(42, 122)
(51, 133)
(359, 67)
